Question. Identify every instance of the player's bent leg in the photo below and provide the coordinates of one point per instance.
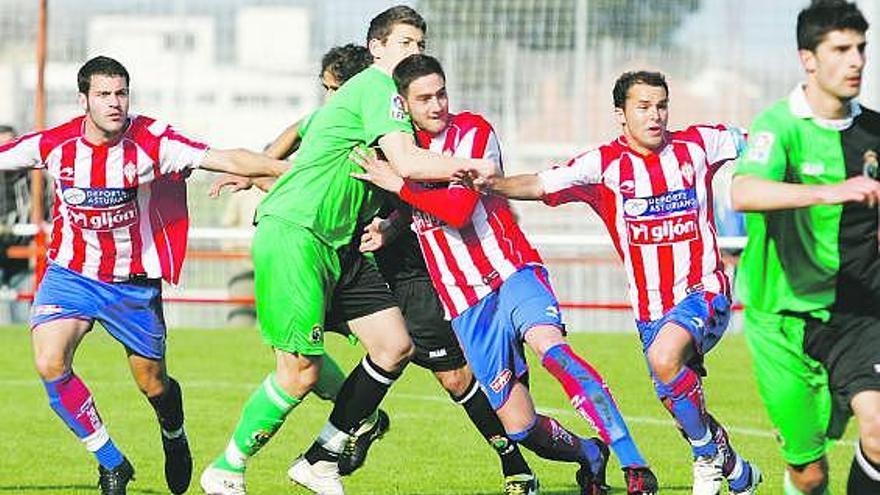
(864, 473)
(54, 344)
(389, 348)
(164, 395)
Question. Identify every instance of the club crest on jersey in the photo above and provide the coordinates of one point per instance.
(398, 111)
(317, 334)
(687, 171)
(129, 170)
(871, 167)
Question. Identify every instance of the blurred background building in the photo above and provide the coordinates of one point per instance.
(236, 72)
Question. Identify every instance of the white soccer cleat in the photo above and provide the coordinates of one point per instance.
(755, 480)
(708, 477)
(321, 478)
(216, 481)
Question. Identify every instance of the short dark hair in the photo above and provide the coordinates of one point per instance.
(382, 25)
(343, 62)
(824, 16)
(414, 67)
(630, 79)
(101, 65)
(7, 129)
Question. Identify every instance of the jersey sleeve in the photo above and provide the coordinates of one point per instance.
(765, 155)
(383, 113)
(722, 143)
(454, 204)
(23, 152)
(573, 181)
(177, 153)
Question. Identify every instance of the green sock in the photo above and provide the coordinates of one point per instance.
(261, 416)
(330, 380)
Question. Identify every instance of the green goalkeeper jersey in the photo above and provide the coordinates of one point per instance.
(318, 192)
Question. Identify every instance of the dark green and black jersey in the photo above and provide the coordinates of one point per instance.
(821, 258)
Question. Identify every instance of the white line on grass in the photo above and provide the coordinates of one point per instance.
(645, 420)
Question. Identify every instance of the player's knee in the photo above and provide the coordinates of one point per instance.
(869, 436)
(456, 382)
(394, 355)
(151, 385)
(665, 365)
(50, 366)
(811, 479)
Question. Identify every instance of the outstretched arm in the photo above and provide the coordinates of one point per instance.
(286, 143)
(243, 162)
(751, 193)
(411, 162)
(526, 186)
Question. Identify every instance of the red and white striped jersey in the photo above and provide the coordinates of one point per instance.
(658, 210)
(469, 260)
(120, 209)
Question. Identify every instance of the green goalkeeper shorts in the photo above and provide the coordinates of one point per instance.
(294, 277)
(793, 386)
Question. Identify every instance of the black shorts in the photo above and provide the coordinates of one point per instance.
(848, 346)
(360, 291)
(437, 348)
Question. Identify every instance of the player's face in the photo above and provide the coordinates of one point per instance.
(6, 137)
(644, 116)
(106, 104)
(404, 40)
(428, 103)
(835, 67)
(330, 83)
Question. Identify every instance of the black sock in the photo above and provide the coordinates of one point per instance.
(478, 409)
(359, 396)
(169, 407)
(864, 475)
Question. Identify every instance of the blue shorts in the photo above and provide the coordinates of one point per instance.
(130, 311)
(705, 315)
(491, 332)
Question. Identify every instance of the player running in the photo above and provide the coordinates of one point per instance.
(494, 288)
(810, 273)
(119, 227)
(652, 189)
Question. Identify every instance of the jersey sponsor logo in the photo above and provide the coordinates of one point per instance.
(760, 145)
(316, 336)
(398, 111)
(104, 219)
(98, 198)
(668, 230)
(501, 380)
(661, 205)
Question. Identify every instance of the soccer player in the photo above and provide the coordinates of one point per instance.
(652, 190)
(401, 265)
(308, 272)
(810, 272)
(119, 227)
(495, 290)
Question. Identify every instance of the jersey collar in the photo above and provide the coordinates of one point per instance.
(800, 108)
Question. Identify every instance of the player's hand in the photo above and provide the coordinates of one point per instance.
(378, 233)
(377, 171)
(233, 182)
(858, 189)
(481, 168)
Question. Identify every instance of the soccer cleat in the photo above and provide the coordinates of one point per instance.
(640, 481)
(178, 463)
(752, 487)
(321, 477)
(594, 484)
(708, 475)
(216, 481)
(521, 484)
(113, 481)
(354, 454)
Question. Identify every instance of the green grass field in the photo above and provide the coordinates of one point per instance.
(431, 448)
